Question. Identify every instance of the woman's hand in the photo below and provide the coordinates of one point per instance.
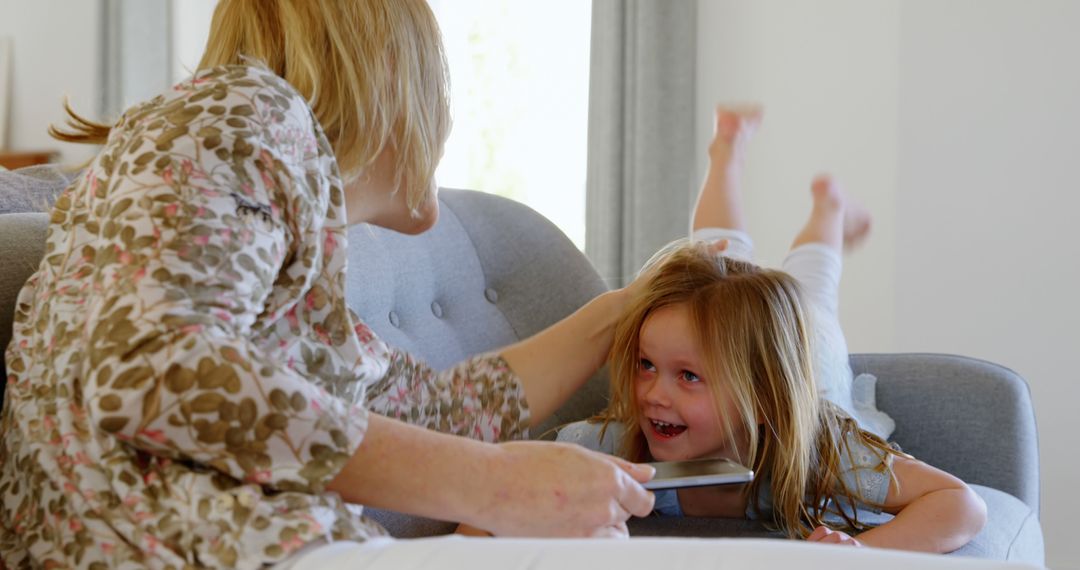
(640, 283)
(827, 535)
(528, 488)
(542, 489)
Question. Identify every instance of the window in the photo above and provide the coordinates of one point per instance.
(519, 73)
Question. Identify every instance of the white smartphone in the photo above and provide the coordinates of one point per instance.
(698, 473)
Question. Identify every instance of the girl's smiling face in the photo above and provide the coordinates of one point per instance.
(678, 410)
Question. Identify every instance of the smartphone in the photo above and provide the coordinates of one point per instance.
(698, 473)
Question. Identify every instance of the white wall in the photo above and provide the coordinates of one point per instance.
(958, 124)
(56, 45)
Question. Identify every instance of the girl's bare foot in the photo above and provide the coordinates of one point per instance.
(719, 204)
(835, 218)
(856, 218)
(734, 127)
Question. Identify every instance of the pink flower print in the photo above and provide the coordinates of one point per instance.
(92, 188)
(364, 333)
(329, 245)
(151, 542)
(292, 544)
(200, 212)
(260, 477)
(187, 167)
(131, 500)
(191, 329)
(267, 180)
(107, 548)
(154, 435)
(201, 240)
(75, 525)
(315, 405)
(170, 210)
(167, 176)
(247, 189)
(290, 316)
(223, 315)
(139, 274)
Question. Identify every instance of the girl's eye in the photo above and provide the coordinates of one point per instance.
(646, 365)
(690, 376)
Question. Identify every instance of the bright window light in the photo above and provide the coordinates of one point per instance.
(519, 73)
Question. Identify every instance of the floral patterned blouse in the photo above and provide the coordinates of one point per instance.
(185, 377)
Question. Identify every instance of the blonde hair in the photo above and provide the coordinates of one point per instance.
(373, 71)
(752, 330)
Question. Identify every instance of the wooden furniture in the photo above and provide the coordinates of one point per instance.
(13, 160)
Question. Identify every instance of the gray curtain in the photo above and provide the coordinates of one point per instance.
(136, 52)
(641, 181)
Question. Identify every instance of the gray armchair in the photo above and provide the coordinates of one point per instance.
(493, 271)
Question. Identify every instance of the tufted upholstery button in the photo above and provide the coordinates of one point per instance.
(436, 309)
(394, 320)
(491, 295)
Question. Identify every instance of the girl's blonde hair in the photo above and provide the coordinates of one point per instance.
(374, 72)
(753, 332)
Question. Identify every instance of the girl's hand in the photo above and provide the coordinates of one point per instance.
(540, 489)
(829, 536)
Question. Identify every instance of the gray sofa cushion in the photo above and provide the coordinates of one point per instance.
(1012, 531)
(32, 189)
(491, 272)
(969, 417)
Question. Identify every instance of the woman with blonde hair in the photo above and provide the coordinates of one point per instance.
(187, 385)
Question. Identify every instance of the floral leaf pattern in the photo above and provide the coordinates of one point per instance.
(185, 376)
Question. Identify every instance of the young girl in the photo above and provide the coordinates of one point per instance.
(718, 358)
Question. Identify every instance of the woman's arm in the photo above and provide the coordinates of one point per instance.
(556, 362)
(935, 511)
(514, 489)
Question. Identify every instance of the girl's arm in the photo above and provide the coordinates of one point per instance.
(935, 511)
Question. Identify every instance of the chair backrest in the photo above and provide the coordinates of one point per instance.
(491, 272)
(970, 417)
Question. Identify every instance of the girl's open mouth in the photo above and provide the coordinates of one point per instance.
(664, 429)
